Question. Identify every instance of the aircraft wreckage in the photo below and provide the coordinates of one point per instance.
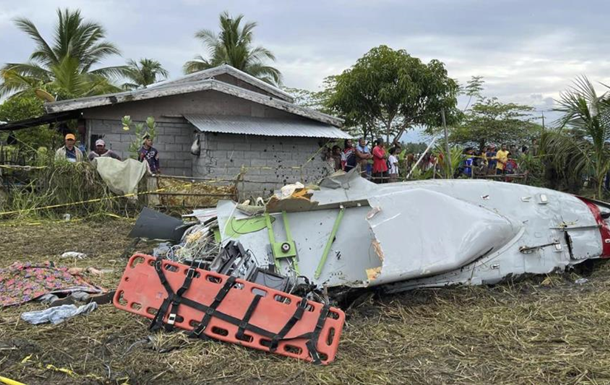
(354, 233)
(348, 233)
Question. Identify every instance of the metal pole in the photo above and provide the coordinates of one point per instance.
(421, 157)
(447, 149)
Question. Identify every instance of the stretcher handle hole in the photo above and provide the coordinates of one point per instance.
(333, 314)
(171, 268)
(136, 306)
(293, 349)
(265, 342)
(257, 291)
(195, 275)
(213, 279)
(281, 299)
(152, 310)
(239, 286)
(330, 337)
(136, 261)
(220, 331)
(121, 299)
(310, 307)
(323, 356)
(244, 337)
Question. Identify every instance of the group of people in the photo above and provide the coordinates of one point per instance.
(491, 161)
(382, 165)
(71, 153)
(377, 164)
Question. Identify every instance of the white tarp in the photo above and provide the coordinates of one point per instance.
(122, 177)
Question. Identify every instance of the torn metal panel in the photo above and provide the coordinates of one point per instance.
(422, 233)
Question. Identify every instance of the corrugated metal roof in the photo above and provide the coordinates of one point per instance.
(265, 126)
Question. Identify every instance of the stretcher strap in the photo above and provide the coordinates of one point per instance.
(245, 321)
(177, 299)
(158, 320)
(298, 314)
(312, 343)
(211, 310)
(243, 324)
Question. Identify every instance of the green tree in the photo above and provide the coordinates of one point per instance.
(310, 99)
(579, 146)
(25, 107)
(233, 46)
(143, 73)
(65, 66)
(388, 91)
(490, 121)
(473, 89)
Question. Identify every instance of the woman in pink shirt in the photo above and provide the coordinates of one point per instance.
(380, 166)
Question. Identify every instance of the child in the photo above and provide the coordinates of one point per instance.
(393, 165)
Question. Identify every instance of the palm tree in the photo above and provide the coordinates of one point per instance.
(233, 46)
(68, 61)
(143, 73)
(579, 145)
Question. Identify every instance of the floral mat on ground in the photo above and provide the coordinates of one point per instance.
(24, 282)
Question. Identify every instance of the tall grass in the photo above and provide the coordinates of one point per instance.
(59, 188)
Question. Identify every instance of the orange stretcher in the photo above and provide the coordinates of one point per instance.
(229, 309)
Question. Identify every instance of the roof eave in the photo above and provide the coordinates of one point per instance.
(178, 89)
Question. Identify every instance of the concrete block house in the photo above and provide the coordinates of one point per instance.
(239, 120)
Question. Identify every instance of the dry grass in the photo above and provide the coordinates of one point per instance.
(196, 193)
(531, 332)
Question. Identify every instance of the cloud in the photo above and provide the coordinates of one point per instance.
(527, 51)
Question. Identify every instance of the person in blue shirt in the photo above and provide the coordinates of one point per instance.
(69, 152)
(364, 158)
(468, 162)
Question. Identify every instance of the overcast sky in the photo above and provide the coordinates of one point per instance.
(527, 51)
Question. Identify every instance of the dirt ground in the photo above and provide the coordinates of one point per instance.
(540, 330)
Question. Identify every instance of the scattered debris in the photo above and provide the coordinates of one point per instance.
(56, 315)
(83, 270)
(74, 254)
(581, 281)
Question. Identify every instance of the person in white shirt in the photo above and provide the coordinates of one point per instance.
(393, 165)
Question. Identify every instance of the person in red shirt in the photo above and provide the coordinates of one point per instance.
(380, 166)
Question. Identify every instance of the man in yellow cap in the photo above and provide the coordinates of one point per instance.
(69, 152)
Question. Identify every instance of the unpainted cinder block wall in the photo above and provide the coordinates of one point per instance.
(270, 162)
(174, 140)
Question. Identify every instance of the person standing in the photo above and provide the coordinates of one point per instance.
(393, 165)
(149, 154)
(491, 159)
(380, 167)
(336, 158)
(102, 151)
(364, 156)
(502, 159)
(349, 160)
(69, 151)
